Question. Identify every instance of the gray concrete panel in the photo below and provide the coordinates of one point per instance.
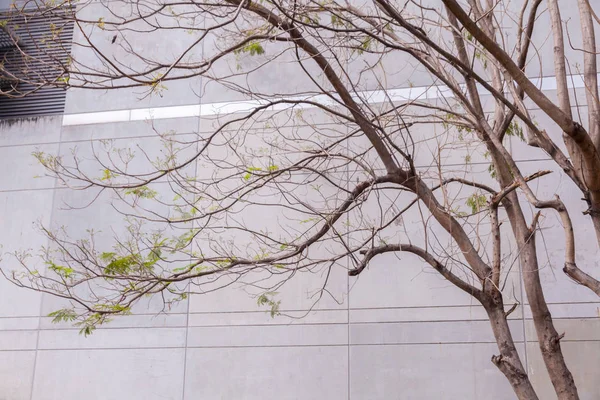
(151, 320)
(16, 374)
(296, 294)
(282, 335)
(575, 329)
(74, 212)
(19, 323)
(264, 318)
(137, 39)
(385, 333)
(122, 130)
(136, 374)
(134, 156)
(20, 214)
(267, 373)
(30, 174)
(112, 337)
(409, 282)
(30, 131)
(421, 314)
(18, 340)
(558, 288)
(274, 73)
(582, 359)
(432, 371)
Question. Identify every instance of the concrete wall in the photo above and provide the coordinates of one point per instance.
(399, 332)
(396, 332)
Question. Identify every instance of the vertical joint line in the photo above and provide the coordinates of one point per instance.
(189, 297)
(50, 221)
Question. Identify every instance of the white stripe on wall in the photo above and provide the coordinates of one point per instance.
(373, 96)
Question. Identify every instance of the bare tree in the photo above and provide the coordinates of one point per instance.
(338, 192)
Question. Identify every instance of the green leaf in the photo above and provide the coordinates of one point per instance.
(155, 254)
(182, 241)
(515, 130)
(65, 272)
(120, 266)
(336, 21)
(89, 324)
(492, 171)
(142, 192)
(477, 202)
(87, 330)
(107, 256)
(107, 175)
(266, 299)
(253, 48)
(64, 314)
(365, 45)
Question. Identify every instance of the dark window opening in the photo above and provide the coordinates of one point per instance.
(34, 56)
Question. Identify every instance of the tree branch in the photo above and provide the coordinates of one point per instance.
(427, 257)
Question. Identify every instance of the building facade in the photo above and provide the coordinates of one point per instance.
(397, 331)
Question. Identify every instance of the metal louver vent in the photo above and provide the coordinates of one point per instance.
(6, 40)
(34, 51)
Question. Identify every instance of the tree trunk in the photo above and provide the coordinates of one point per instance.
(548, 338)
(508, 362)
(596, 222)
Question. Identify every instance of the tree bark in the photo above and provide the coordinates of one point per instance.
(548, 337)
(590, 73)
(577, 133)
(508, 362)
(590, 70)
(591, 81)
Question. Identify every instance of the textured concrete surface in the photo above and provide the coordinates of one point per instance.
(398, 331)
